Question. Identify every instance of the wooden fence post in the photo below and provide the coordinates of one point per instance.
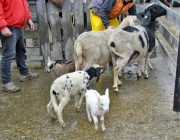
(67, 30)
(176, 104)
(43, 28)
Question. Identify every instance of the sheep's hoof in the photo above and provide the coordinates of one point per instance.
(77, 110)
(146, 77)
(116, 90)
(103, 129)
(63, 125)
(53, 118)
(138, 75)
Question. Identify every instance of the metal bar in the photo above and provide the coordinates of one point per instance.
(176, 104)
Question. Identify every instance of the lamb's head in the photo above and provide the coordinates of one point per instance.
(104, 101)
(94, 71)
(152, 12)
(50, 64)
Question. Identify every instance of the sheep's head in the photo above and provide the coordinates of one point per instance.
(50, 64)
(152, 12)
(104, 101)
(94, 71)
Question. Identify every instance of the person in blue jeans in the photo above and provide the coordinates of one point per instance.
(13, 18)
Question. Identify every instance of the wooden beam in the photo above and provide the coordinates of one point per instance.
(176, 104)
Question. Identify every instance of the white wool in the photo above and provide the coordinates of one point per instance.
(97, 105)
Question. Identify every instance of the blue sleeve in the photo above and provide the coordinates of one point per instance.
(105, 10)
(132, 10)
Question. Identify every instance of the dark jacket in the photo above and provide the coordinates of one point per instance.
(108, 9)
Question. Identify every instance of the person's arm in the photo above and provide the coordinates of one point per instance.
(105, 10)
(132, 10)
(3, 22)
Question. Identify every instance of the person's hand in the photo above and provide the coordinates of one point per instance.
(31, 25)
(110, 27)
(6, 32)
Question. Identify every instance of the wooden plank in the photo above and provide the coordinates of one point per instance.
(33, 51)
(176, 103)
(31, 2)
(87, 12)
(34, 58)
(43, 28)
(31, 34)
(67, 30)
(55, 31)
(79, 17)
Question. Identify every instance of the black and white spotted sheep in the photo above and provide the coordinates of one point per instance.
(71, 84)
(134, 43)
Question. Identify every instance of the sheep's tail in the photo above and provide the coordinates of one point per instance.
(116, 53)
(79, 52)
(54, 100)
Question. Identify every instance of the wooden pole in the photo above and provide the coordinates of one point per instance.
(176, 105)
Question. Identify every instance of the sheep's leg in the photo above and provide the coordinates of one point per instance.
(77, 66)
(80, 100)
(60, 108)
(102, 123)
(116, 79)
(76, 97)
(139, 68)
(88, 65)
(146, 64)
(89, 114)
(95, 122)
(50, 110)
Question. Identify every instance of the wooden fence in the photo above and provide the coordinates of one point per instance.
(55, 30)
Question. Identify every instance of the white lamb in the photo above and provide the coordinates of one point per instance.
(97, 105)
(71, 84)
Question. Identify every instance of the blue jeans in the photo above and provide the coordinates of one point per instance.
(13, 48)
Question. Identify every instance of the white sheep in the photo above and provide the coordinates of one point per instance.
(132, 43)
(59, 68)
(97, 105)
(71, 84)
(92, 47)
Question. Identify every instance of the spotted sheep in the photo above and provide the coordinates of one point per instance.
(71, 84)
(134, 43)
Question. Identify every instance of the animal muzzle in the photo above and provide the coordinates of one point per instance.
(46, 68)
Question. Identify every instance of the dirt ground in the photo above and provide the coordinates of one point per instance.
(142, 110)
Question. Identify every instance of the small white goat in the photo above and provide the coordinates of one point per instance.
(59, 68)
(67, 85)
(97, 105)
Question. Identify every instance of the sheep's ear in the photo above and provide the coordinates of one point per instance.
(56, 61)
(147, 18)
(107, 92)
(49, 59)
(98, 73)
